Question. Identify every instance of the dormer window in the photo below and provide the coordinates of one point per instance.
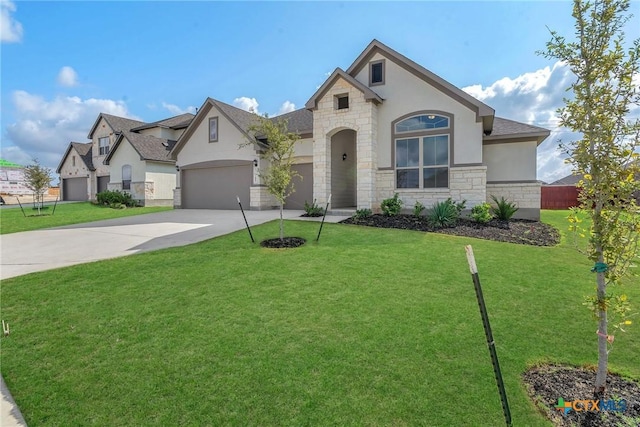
(103, 146)
(376, 73)
(342, 102)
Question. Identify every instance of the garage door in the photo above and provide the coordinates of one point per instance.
(303, 187)
(103, 182)
(74, 189)
(217, 187)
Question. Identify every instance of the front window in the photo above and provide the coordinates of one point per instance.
(126, 177)
(422, 157)
(103, 145)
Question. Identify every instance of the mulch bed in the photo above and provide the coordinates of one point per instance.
(546, 384)
(287, 242)
(513, 231)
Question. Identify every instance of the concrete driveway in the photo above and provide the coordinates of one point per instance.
(39, 250)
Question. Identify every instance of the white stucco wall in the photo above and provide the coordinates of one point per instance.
(163, 177)
(404, 93)
(126, 155)
(198, 148)
(515, 161)
(304, 147)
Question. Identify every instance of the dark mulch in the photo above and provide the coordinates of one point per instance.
(546, 384)
(312, 215)
(514, 231)
(287, 242)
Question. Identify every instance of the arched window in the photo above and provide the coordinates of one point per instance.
(421, 151)
(126, 177)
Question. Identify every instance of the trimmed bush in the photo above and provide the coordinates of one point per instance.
(313, 209)
(418, 208)
(115, 199)
(481, 213)
(362, 213)
(504, 209)
(392, 206)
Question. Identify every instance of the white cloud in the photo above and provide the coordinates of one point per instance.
(534, 98)
(174, 109)
(247, 104)
(286, 107)
(10, 29)
(43, 128)
(67, 77)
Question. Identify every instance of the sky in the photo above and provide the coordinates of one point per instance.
(62, 63)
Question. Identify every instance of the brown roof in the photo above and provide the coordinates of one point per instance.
(509, 129)
(298, 121)
(177, 122)
(84, 150)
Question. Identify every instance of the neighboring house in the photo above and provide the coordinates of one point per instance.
(385, 125)
(127, 155)
(12, 179)
(76, 171)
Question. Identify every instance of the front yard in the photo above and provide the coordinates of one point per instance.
(12, 219)
(371, 326)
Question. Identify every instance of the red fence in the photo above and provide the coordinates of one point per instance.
(558, 196)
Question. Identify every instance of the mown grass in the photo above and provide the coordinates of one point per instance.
(368, 327)
(12, 220)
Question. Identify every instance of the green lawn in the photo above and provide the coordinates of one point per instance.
(12, 219)
(368, 327)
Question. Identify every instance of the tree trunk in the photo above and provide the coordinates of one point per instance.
(603, 355)
(281, 222)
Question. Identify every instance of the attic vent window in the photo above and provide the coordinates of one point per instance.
(376, 73)
(342, 102)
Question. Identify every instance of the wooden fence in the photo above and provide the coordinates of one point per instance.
(558, 196)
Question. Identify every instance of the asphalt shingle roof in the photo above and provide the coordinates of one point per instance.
(85, 152)
(506, 127)
(299, 121)
(149, 147)
(176, 122)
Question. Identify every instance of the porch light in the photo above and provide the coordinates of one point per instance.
(255, 163)
(178, 168)
(344, 157)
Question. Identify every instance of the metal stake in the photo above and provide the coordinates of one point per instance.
(487, 331)
(18, 199)
(54, 206)
(245, 219)
(323, 217)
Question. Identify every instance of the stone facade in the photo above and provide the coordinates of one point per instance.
(177, 198)
(526, 195)
(361, 116)
(260, 199)
(465, 183)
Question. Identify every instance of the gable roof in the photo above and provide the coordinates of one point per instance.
(298, 121)
(148, 147)
(482, 110)
(239, 118)
(572, 179)
(504, 129)
(84, 150)
(180, 121)
(117, 124)
(369, 95)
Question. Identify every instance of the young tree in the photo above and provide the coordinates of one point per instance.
(37, 179)
(278, 153)
(603, 94)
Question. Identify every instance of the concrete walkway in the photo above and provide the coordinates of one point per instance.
(40, 250)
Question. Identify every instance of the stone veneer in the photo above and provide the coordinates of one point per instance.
(177, 198)
(362, 117)
(261, 199)
(465, 183)
(526, 195)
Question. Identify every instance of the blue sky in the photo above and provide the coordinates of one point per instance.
(64, 62)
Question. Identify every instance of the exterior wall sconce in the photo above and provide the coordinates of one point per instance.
(255, 163)
(178, 168)
(344, 157)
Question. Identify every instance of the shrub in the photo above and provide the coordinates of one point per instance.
(313, 209)
(445, 214)
(391, 206)
(115, 199)
(362, 213)
(504, 209)
(481, 213)
(418, 208)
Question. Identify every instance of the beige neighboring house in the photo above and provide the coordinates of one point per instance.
(384, 125)
(126, 155)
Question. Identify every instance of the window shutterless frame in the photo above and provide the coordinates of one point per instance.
(213, 129)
